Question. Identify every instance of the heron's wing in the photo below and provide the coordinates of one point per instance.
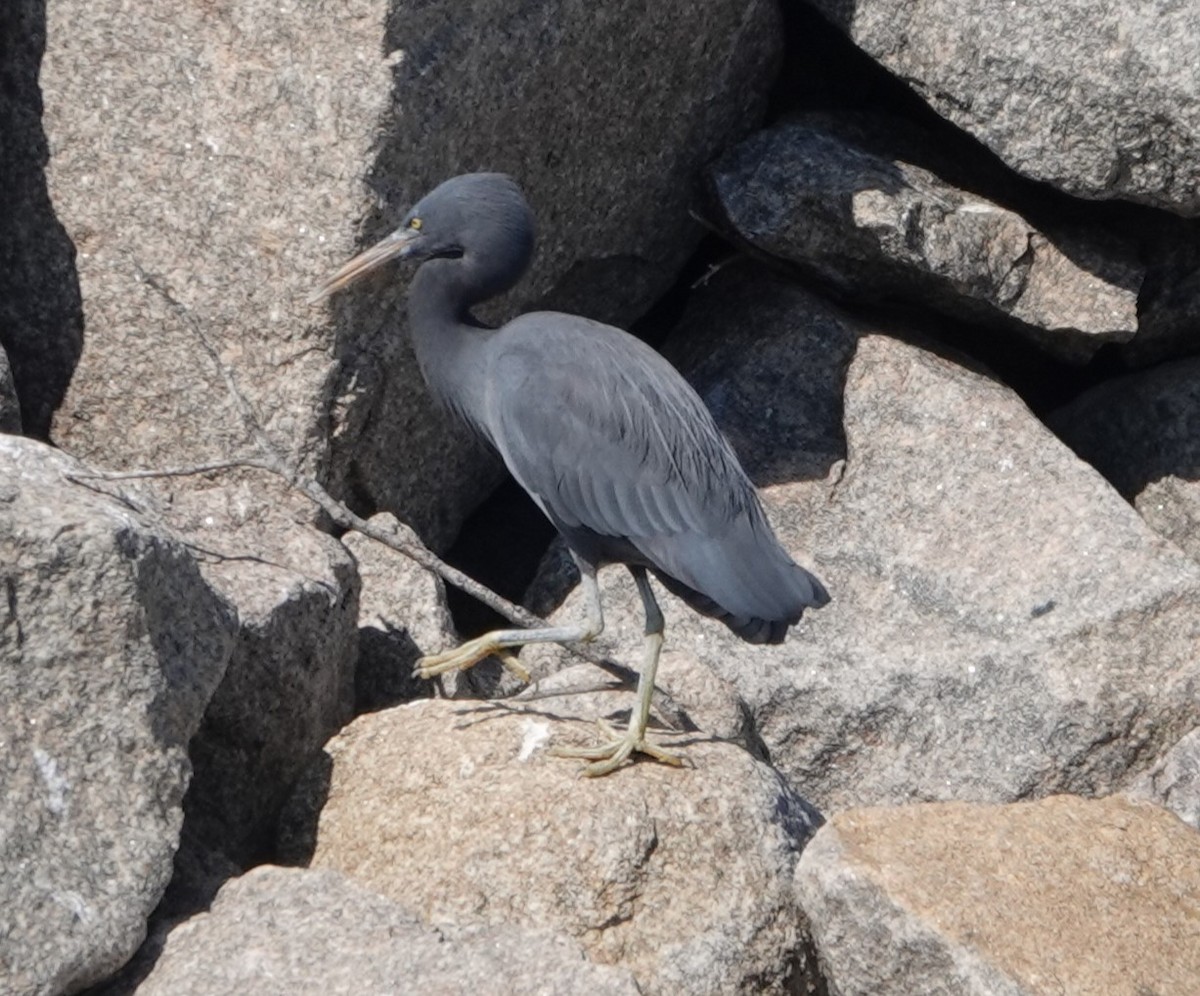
(605, 434)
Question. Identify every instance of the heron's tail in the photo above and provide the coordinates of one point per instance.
(803, 591)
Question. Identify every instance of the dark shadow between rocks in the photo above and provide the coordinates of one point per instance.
(296, 840)
(41, 310)
(1138, 430)
(824, 71)
(383, 677)
(1043, 381)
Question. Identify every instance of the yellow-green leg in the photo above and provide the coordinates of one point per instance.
(499, 642)
(614, 752)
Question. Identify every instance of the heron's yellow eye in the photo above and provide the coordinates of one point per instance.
(415, 224)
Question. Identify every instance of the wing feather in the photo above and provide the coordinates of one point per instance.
(625, 448)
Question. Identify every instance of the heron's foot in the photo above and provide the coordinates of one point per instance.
(615, 751)
(468, 655)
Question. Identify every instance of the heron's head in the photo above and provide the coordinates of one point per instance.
(483, 216)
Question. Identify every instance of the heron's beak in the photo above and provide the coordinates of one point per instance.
(396, 246)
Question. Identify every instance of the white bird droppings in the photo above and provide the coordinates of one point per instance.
(535, 734)
(56, 783)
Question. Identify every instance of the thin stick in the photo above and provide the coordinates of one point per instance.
(189, 471)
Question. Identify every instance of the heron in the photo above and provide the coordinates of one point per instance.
(605, 435)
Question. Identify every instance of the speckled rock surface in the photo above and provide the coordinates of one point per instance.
(1174, 781)
(1098, 99)
(204, 168)
(1064, 895)
(455, 810)
(111, 644)
(290, 681)
(877, 226)
(288, 932)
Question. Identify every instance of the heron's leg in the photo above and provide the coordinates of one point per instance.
(609, 756)
(500, 641)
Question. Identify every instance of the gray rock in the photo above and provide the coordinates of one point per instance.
(10, 408)
(1174, 782)
(198, 876)
(1002, 624)
(878, 226)
(289, 685)
(1142, 433)
(402, 616)
(111, 644)
(199, 167)
(41, 319)
(605, 114)
(681, 875)
(289, 932)
(1099, 100)
(1064, 895)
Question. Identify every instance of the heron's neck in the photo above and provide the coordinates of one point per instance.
(447, 342)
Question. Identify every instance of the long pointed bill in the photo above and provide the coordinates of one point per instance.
(395, 246)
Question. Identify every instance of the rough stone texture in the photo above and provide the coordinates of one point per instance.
(1002, 624)
(1174, 782)
(682, 875)
(111, 644)
(878, 226)
(290, 681)
(402, 615)
(198, 876)
(1142, 432)
(41, 318)
(605, 113)
(1064, 895)
(10, 407)
(288, 932)
(206, 159)
(1098, 99)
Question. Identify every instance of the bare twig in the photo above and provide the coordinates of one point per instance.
(189, 471)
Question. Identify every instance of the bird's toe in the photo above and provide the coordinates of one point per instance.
(610, 755)
(468, 655)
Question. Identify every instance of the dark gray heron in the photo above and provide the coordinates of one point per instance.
(609, 440)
